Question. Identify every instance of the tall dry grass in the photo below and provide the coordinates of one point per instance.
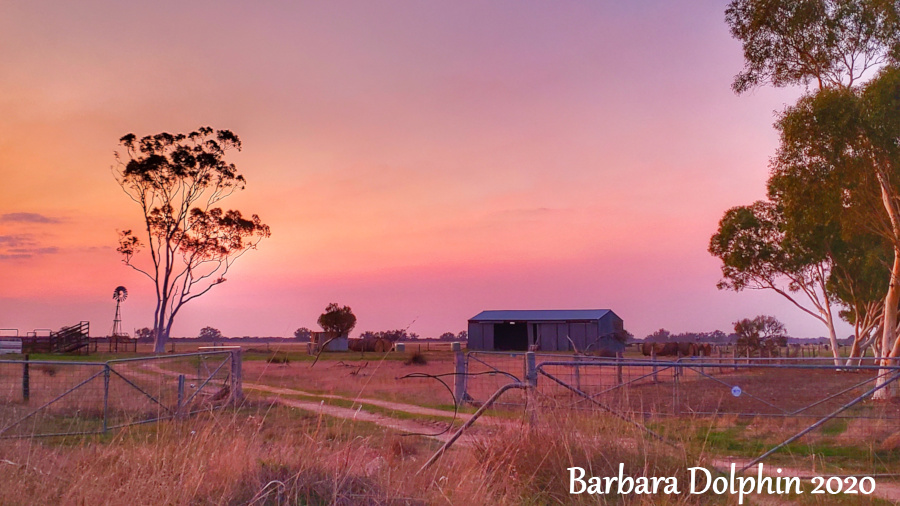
(275, 455)
(269, 454)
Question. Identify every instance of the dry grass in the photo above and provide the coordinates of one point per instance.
(268, 454)
(348, 376)
(274, 455)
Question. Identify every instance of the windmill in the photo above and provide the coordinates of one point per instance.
(120, 294)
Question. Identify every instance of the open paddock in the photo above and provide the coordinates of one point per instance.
(581, 408)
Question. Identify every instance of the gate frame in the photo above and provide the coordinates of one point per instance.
(107, 369)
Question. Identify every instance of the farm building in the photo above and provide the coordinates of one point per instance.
(546, 330)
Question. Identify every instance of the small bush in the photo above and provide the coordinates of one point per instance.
(416, 358)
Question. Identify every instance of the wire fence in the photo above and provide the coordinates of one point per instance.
(56, 398)
(801, 387)
(488, 371)
(799, 411)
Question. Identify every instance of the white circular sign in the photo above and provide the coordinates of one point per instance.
(736, 391)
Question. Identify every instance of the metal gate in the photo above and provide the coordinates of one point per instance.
(57, 398)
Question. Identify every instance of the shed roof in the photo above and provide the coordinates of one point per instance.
(541, 315)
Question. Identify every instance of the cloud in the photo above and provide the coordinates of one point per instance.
(27, 218)
(16, 241)
(33, 251)
(22, 246)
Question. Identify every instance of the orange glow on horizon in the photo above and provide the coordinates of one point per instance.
(424, 166)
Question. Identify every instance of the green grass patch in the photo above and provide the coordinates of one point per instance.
(834, 427)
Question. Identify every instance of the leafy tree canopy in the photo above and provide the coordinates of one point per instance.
(660, 336)
(337, 318)
(144, 334)
(762, 332)
(210, 334)
(176, 179)
(302, 334)
(829, 42)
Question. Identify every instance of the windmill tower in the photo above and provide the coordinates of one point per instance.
(120, 294)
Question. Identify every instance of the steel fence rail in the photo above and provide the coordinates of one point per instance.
(70, 401)
(807, 393)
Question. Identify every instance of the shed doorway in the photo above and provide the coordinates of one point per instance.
(512, 336)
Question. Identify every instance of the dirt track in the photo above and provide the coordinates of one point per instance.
(431, 429)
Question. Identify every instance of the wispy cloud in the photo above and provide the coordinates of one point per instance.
(34, 251)
(22, 246)
(27, 218)
(16, 241)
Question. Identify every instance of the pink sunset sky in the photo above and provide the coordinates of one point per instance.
(417, 161)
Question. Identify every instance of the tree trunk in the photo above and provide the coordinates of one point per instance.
(832, 338)
(159, 344)
(161, 333)
(853, 359)
(857, 337)
(889, 334)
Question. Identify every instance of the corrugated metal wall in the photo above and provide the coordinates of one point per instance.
(550, 336)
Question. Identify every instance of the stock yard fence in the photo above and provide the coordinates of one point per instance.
(40, 398)
(807, 408)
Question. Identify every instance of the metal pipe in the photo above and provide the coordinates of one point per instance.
(58, 397)
(208, 379)
(513, 376)
(469, 423)
(168, 356)
(139, 389)
(600, 404)
(654, 373)
(105, 399)
(700, 372)
(26, 381)
(820, 422)
(180, 395)
(842, 392)
(640, 363)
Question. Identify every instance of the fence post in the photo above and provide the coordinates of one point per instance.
(734, 357)
(675, 375)
(237, 386)
(105, 398)
(179, 409)
(26, 382)
(530, 391)
(577, 372)
(619, 357)
(653, 359)
(460, 381)
(719, 354)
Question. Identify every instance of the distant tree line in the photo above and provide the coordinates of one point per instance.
(761, 332)
(207, 335)
(716, 336)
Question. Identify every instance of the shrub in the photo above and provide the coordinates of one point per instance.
(416, 358)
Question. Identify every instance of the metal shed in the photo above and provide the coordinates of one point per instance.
(546, 329)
